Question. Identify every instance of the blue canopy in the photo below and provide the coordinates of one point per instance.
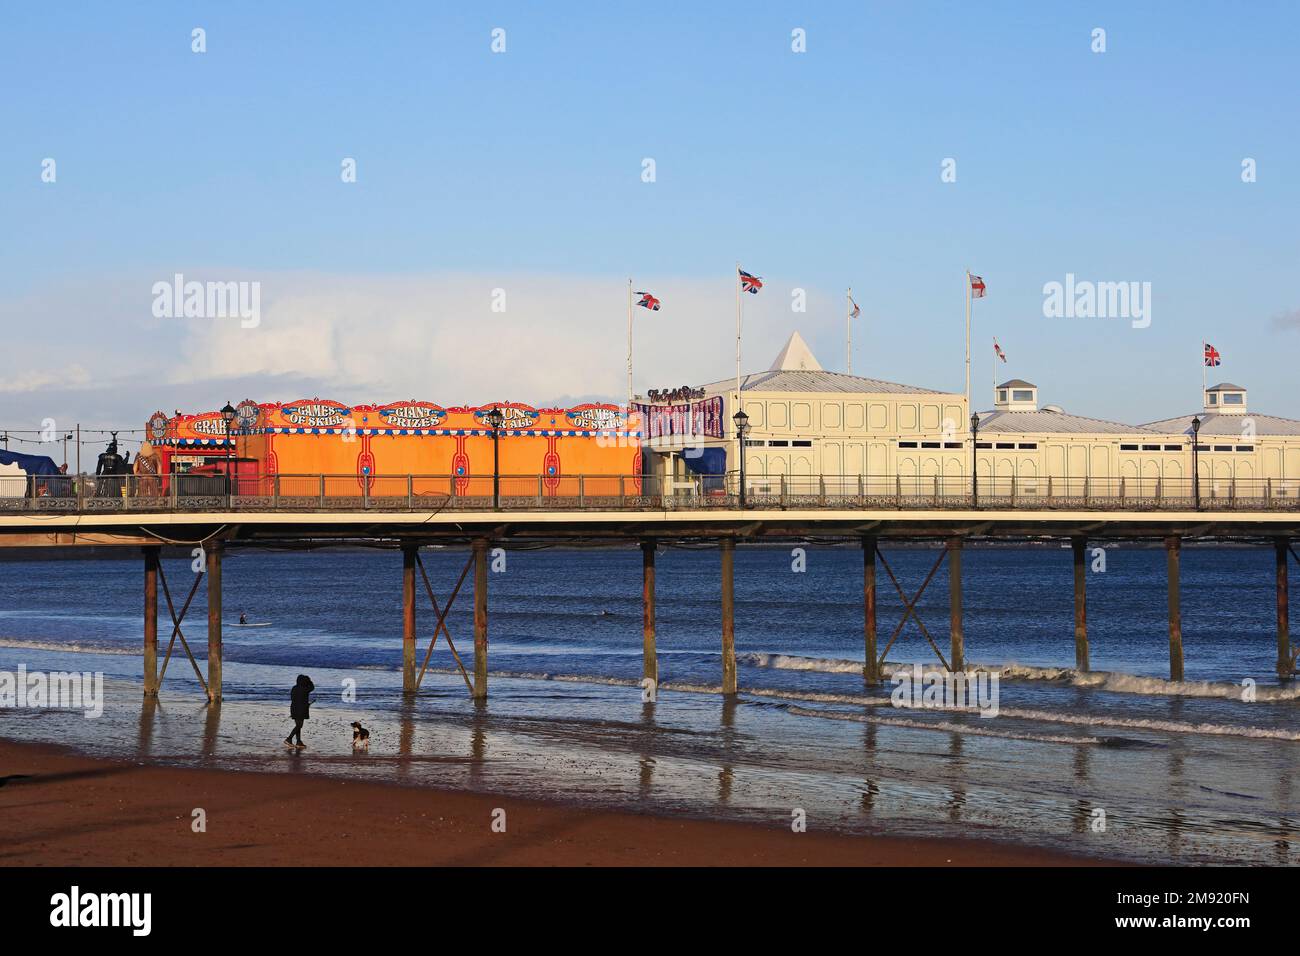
(710, 462)
(32, 464)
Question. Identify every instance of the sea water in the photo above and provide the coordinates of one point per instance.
(1116, 762)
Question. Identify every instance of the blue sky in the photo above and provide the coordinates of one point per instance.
(522, 171)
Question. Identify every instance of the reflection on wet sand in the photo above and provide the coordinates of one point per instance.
(405, 734)
(1082, 762)
(957, 770)
(1282, 845)
(1176, 823)
(478, 741)
(148, 714)
(211, 726)
(646, 764)
(870, 789)
(1081, 815)
(727, 773)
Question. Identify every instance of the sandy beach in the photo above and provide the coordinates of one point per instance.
(59, 808)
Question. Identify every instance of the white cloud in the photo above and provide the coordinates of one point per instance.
(379, 338)
(34, 380)
(437, 338)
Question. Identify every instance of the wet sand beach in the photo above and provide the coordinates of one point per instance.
(58, 808)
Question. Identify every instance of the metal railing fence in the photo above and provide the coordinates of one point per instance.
(323, 492)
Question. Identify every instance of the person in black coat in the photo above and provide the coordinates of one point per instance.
(299, 709)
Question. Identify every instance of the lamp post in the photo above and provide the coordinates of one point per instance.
(1196, 469)
(742, 426)
(496, 420)
(974, 459)
(228, 416)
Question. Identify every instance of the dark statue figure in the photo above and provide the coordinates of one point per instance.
(109, 471)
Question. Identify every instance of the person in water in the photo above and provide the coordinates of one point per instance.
(243, 618)
(299, 710)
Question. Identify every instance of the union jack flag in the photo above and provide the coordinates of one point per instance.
(1211, 355)
(997, 350)
(976, 287)
(648, 301)
(856, 311)
(749, 283)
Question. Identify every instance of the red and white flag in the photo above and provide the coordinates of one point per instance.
(997, 350)
(648, 301)
(976, 287)
(1212, 358)
(856, 311)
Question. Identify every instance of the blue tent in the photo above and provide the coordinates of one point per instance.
(32, 464)
(58, 486)
(710, 462)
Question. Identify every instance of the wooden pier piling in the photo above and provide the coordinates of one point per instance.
(409, 551)
(1173, 551)
(650, 657)
(151, 555)
(957, 659)
(213, 550)
(480, 617)
(1285, 659)
(727, 547)
(597, 520)
(1080, 547)
(871, 664)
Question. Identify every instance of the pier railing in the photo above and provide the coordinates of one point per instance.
(323, 492)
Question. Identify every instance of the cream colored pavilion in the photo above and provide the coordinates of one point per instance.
(807, 424)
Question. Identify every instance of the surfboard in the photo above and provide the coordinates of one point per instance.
(250, 624)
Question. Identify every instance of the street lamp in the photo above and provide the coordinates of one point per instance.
(742, 426)
(496, 420)
(228, 416)
(974, 459)
(1196, 469)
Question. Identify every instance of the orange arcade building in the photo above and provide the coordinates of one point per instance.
(363, 448)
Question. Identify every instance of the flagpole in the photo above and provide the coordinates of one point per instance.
(629, 344)
(968, 405)
(848, 330)
(737, 336)
(1205, 382)
(740, 448)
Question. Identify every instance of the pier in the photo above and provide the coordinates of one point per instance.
(482, 514)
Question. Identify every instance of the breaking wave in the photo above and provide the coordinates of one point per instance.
(20, 644)
(1119, 683)
(790, 662)
(1112, 681)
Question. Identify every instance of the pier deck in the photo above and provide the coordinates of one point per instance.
(181, 527)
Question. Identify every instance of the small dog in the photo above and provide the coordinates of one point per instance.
(360, 737)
